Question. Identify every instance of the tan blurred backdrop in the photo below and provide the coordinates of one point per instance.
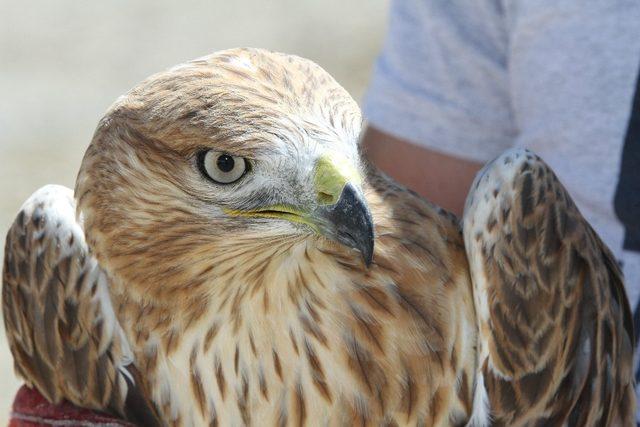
(63, 62)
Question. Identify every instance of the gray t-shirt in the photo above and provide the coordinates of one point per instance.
(472, 78)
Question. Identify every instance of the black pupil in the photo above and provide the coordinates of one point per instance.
(225, 163)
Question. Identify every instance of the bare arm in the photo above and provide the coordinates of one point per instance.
(440, 178)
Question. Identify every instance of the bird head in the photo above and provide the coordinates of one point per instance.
(240, 149)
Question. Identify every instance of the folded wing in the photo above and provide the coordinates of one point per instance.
(61, 326)
(554, 322)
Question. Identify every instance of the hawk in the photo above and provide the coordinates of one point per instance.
(229, 258)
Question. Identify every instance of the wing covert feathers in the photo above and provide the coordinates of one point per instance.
(61, 327)
(555, 327)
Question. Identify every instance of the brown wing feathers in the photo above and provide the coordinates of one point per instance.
(60, 325)
(555, 325)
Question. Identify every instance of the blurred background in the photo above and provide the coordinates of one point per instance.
(63, 63)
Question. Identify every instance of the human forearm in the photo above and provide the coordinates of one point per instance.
(440, 178)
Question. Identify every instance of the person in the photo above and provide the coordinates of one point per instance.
(460, 81)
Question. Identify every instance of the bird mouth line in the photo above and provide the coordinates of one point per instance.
(277, 212)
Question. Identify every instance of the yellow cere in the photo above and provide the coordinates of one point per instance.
(332, 173)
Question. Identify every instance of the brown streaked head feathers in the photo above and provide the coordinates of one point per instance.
(139, 188)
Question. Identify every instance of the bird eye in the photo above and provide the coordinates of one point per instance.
(222, 168)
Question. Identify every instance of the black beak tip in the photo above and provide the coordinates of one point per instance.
(365, 238)
(352, 224)
(367, 255)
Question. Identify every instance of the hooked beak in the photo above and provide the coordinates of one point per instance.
(348, 221)
(342, 214)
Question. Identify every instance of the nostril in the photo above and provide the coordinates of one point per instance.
(325, 198)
